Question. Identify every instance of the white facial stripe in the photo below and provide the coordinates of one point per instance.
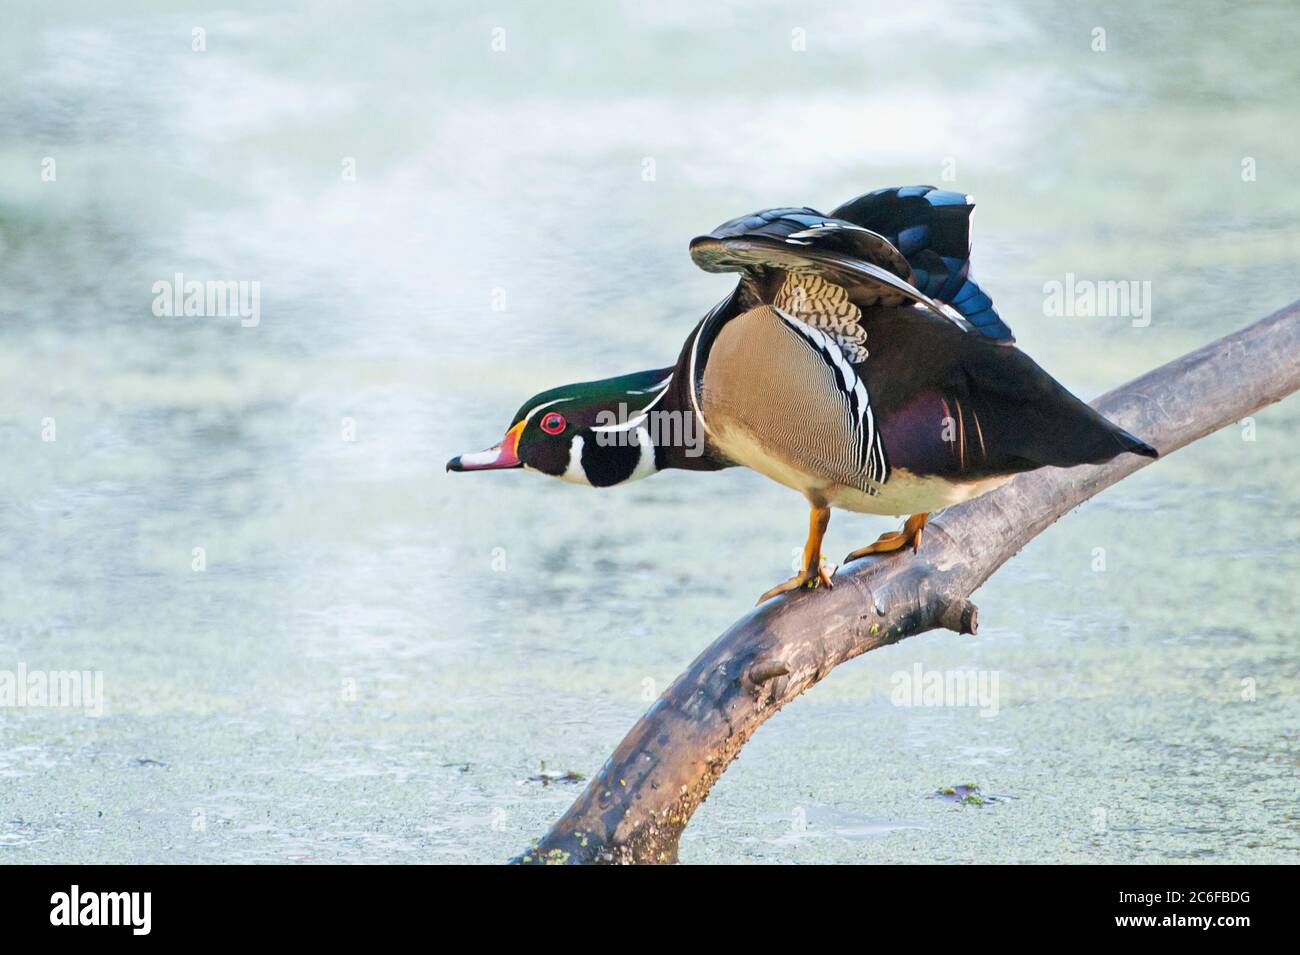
(663, 384)
(529, 416)
(625, 426)
(663, 390)
(645, 412)
(574, 473)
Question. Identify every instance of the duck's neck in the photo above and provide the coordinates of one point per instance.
(644, 430)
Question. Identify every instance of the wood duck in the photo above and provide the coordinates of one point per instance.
(856, 361)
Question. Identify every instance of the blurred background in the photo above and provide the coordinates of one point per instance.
(449, 207)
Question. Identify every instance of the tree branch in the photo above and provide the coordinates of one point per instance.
(635, 808)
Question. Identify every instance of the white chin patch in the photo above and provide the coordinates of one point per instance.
(574, 473)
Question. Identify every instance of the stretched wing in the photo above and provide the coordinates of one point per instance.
(769, 246)
(931, 228)
(812, 268)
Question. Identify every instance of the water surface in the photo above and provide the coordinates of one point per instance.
(378, 656)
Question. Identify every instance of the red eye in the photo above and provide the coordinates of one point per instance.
(553, 423)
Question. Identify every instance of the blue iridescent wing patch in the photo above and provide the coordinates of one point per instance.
(931, 227)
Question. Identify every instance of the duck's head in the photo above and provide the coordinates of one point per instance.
(592, 432)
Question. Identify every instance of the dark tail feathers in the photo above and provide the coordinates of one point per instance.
(1135, 444)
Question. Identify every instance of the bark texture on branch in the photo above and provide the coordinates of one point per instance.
(635, 808)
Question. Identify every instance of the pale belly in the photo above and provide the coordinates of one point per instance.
(903, 493)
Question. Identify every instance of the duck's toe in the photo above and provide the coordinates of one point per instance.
(895, 540)
(820, 576)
